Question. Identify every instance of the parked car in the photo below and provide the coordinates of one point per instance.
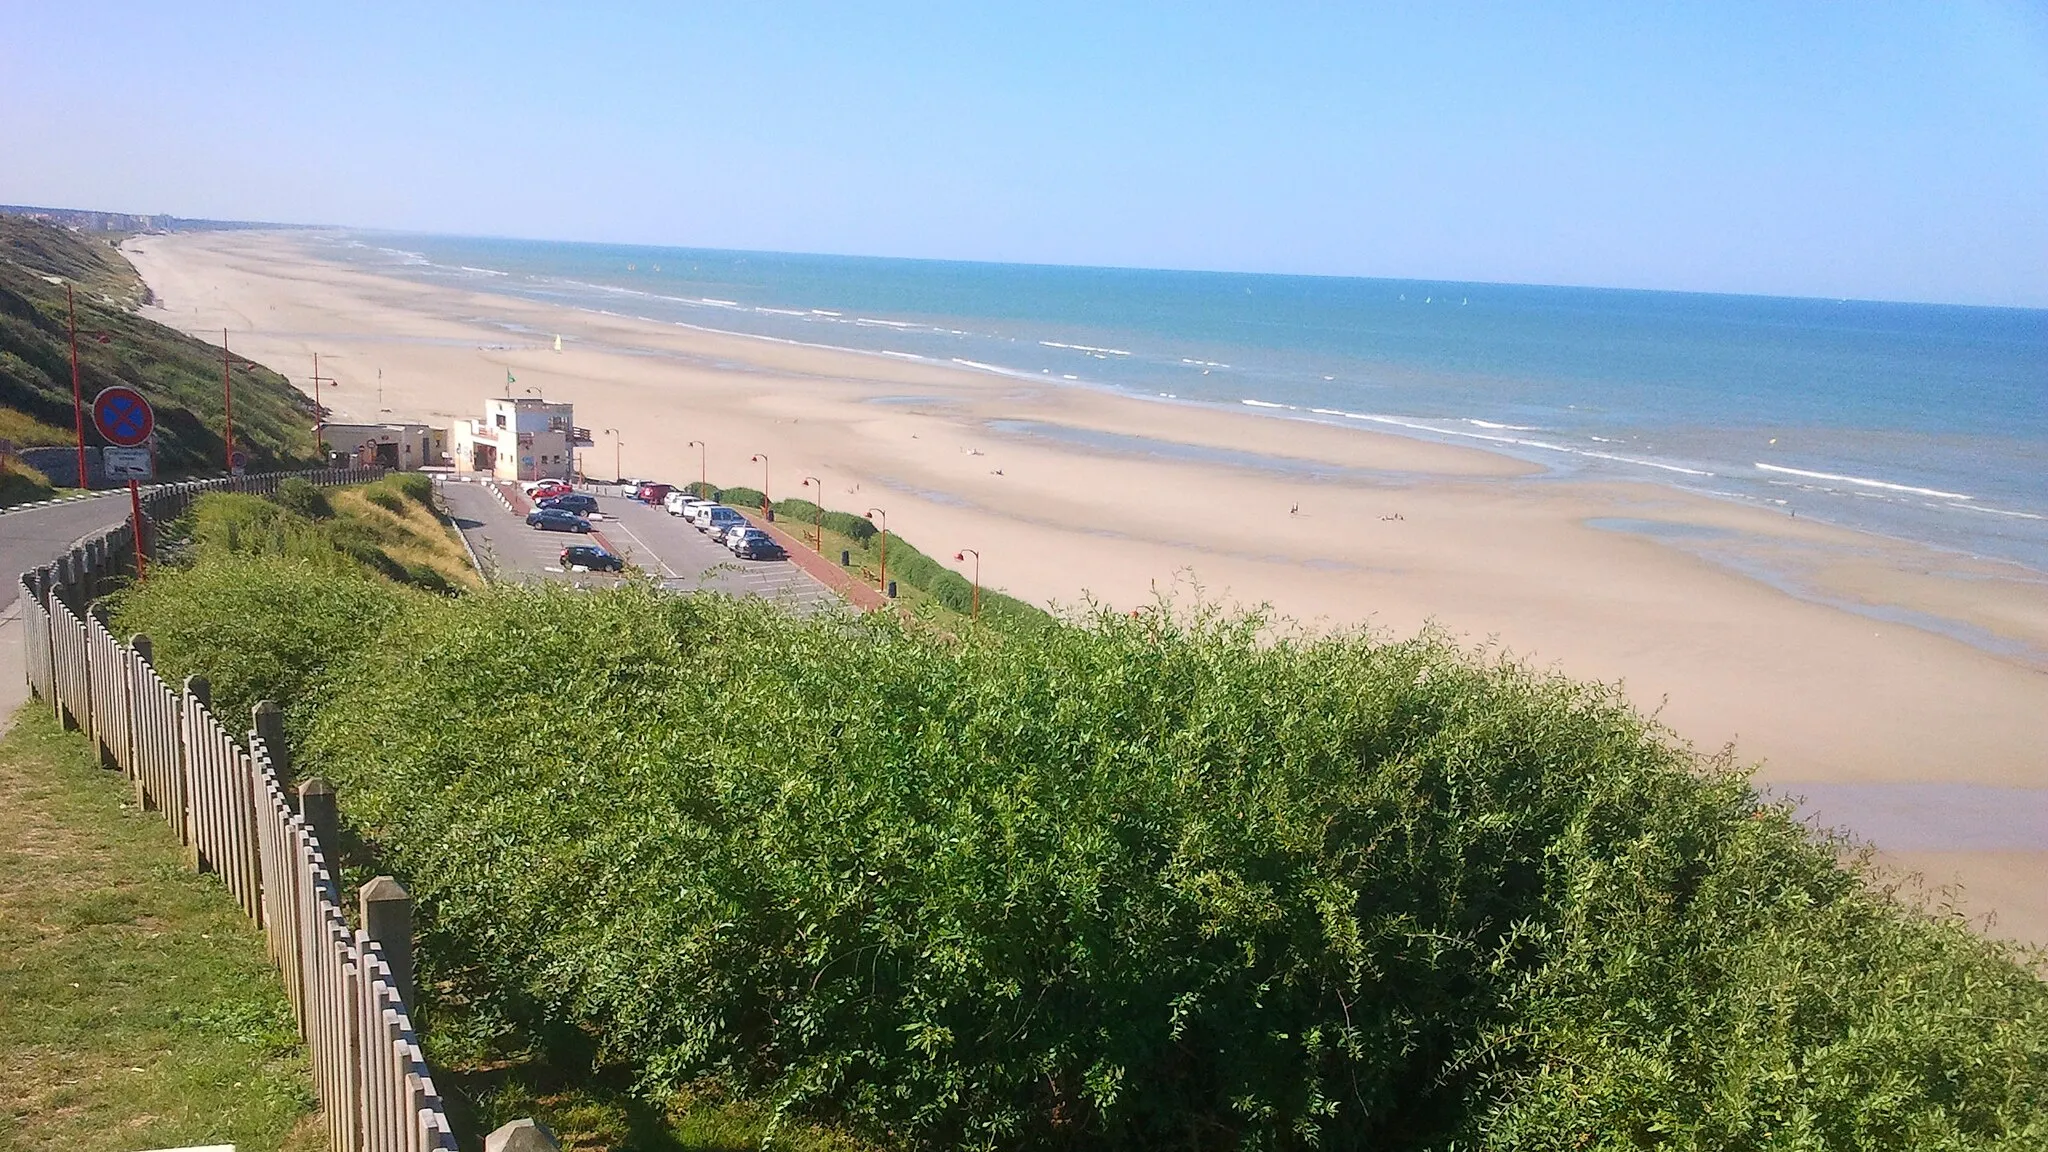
(590, 558)
(691, 505)
(549, 491)
(751, 543)
(713, 521)
(556, 520)
(581, 503)
(680, 501)
(653, 493)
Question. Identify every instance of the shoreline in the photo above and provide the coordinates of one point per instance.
(1819, 474)
(1486, 546)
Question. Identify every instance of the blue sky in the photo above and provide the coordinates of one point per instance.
(1893, 151)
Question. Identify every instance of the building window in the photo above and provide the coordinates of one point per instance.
(501, 419)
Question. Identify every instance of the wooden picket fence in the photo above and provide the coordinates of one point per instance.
(225, 800)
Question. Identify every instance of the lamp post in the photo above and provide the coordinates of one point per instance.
(618, 456)
(820, 535)
(962, 555)
(319, 413)
(767, 506)
(872, 513)
(703, 469)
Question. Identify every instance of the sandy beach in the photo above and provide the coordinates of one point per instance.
(1830, 657)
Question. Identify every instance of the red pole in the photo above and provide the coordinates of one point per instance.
(77, 401)
(135, 517)
(872, 513)
(227, 384)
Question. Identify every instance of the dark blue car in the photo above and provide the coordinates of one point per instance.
(556, 520)
(581, 503)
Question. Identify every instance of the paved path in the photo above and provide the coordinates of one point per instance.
(29, 538)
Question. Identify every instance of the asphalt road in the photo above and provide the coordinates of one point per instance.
(30, 537)
(669, 549)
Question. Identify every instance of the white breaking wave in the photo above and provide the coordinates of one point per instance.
(482, 271)
(780, 311)
(1866, 482)
(1998, 511)
(1084, 348)
(719, 303)
(1268, 404)
(885, 323)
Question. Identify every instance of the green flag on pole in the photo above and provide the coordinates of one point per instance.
(510, 378)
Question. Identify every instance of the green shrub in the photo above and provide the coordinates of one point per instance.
(797, 510)
(258, 626)
(417, 487)
(1148, 881)
(860, 528)
(302, 498)
(739, 497)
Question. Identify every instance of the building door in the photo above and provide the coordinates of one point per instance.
(387, 455)
(484, 458)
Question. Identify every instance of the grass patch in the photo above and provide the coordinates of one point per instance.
(137, 1008)
(21, 484)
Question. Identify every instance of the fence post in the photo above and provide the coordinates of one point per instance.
(199, 690)
(145, 650)
(522, 1136)
(268, 720)
(317, 807)
(387, 918)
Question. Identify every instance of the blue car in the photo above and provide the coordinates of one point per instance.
(581, 503)
(556, 520)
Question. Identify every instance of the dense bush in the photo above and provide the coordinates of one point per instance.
(859, 528)
(1125, 881)
(304, 498)
(740, 497)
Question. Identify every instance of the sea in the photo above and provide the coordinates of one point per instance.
(1923, 422)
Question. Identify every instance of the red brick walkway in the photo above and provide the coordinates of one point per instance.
(855, 592)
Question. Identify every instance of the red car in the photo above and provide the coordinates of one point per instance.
(653, 493)
(546, 491)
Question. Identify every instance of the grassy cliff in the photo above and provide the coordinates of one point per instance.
(1170, 879)
(181, 376)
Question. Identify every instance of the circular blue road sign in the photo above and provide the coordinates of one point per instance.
(123, 416)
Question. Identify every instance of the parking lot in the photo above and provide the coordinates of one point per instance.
(666, 547)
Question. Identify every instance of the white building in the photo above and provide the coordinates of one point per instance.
(523, 438)
(395, 445)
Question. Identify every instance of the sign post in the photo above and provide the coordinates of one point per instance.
(127, 422)
(135, 521)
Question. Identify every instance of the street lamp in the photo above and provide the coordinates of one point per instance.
(703, 469)
(808, 482)
(767, 506)
(961, 555)
(618, 455)
(319, 413)
(872, 513)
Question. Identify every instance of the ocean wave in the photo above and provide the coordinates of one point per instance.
(1477, 423)
(1994, 511)
(1085, 348)
(1866, 482)
(1646, 463)
(1209, 364)
(718, 303)
(1268, 404)
(995, 368)
(482, 271)
(780, 311)
(823, 312)
(899, 324)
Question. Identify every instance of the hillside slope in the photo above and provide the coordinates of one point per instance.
(181, 376)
